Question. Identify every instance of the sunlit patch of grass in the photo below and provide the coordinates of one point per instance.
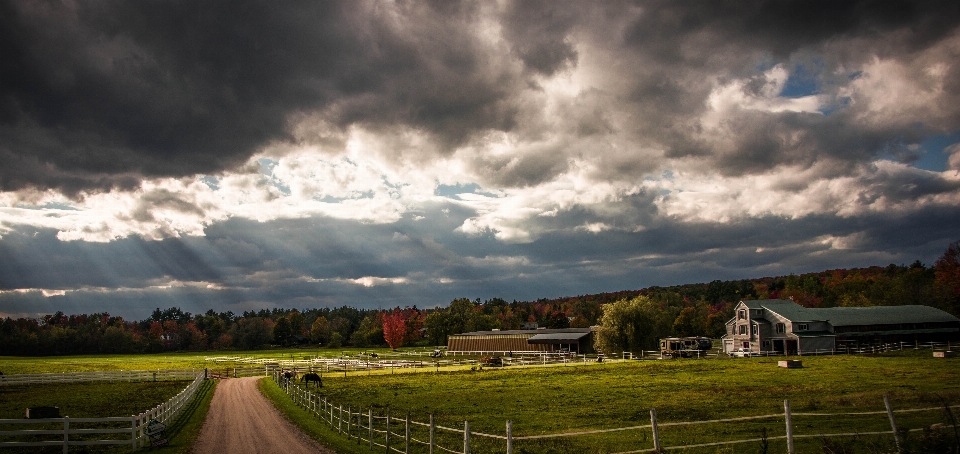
(609, 395)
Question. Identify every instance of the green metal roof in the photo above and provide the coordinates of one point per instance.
(898, 331)
(784, 308)
(847, 316)
(884, 315)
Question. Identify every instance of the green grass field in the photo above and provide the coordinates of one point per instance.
(102, 399)
(88, 400)
(548, 400)
(572, 398)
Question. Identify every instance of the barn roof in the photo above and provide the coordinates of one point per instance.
(557, 338)
(531, 332)
(853, 316)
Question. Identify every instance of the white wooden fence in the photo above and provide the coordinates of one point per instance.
(122, 430)
(105, 375)
(394, 434)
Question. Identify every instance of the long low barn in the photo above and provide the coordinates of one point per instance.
(577, 340)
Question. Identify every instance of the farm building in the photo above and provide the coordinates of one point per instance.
(783, 326)
(577, 340)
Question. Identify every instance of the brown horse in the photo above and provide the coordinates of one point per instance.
(312, 377)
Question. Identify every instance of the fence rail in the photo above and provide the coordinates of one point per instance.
(92, 376)
(419, 360)
(134, 431)
(403, 435)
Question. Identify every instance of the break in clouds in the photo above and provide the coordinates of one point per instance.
(374, 154)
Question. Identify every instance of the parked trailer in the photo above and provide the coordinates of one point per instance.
(684, 347)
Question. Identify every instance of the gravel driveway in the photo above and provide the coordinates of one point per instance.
(241, 420)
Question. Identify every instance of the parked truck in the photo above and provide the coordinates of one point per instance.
(684, 347)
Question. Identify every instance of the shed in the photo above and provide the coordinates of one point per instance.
(579, 340)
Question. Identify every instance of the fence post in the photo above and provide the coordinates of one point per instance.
(656, 432)
(371, 428)
(786, 414)
(66, 435)
(406, 445)
(466, 437)
(509, 437)
(386, 433)
(349, 420)
(431, 433)
(340, 421)
(893, 422)
(133, 432)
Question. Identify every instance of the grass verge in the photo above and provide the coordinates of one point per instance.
(307, 422)
(186, 428)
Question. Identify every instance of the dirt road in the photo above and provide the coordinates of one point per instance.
(241, 420)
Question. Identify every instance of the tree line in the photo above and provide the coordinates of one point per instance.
(627, 320)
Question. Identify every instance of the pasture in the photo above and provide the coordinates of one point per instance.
(88, 400)
(574, 398)
(104, 399)
(182, 360)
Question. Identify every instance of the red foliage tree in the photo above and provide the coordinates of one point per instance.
(394, 328)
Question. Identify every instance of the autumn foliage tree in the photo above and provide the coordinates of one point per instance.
(394, 328)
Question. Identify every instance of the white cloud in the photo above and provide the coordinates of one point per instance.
(761, 93)
(794, 192)
(371, 281)
(889, 93)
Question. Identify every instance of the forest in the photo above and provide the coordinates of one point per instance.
(681, 310)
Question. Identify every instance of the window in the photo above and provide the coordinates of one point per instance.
(803, 327)
(753, 330)
(741, 314)
(781, 328)
(743, 329)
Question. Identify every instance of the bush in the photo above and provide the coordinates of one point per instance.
(336, 341)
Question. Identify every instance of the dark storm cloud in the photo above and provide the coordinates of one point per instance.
(674, 51)
(538, 32)
(93, 92)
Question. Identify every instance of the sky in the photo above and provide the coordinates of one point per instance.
(250, 155)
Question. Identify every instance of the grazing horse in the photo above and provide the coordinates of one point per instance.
(312, 377)
(287, 375)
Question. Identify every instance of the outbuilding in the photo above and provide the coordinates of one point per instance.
(574, 340)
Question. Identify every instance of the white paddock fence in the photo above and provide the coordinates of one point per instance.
(104, 375)
(121, 430)
(381, 431)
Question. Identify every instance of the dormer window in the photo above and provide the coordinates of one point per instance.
(780, 328)
(802, 327)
